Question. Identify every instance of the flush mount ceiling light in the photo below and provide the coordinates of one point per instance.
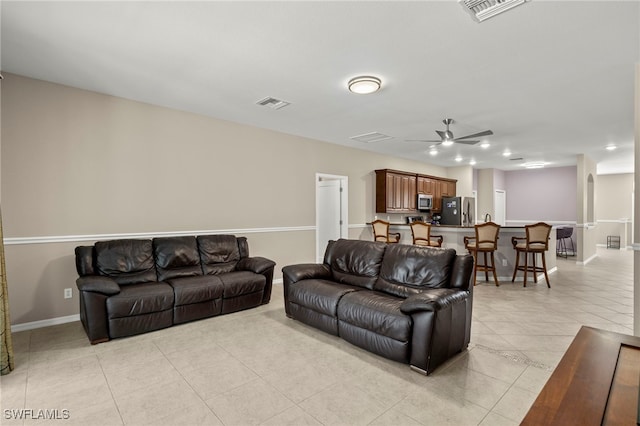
(364, 85)
(481, 10)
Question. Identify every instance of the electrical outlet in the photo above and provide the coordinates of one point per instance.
(68, 293)
(504, 262)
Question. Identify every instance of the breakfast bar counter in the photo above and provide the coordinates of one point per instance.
(505, 256)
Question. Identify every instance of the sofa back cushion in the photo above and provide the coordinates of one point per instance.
(408, 270)
(85, 260)
(126, 261)
(218, 253)
(354, 262)
(176, 257)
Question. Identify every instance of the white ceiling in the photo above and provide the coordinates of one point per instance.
(552, 79)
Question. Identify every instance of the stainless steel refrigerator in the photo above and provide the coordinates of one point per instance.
(458, 211)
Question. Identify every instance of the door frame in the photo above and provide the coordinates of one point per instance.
(344, 209)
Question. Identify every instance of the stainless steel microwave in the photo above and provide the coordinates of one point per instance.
(425, 202)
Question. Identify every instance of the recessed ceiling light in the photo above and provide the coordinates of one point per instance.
(611, 147)
(447, 142)
(433, 151)
(458, 158)
(485, 145)
(506, 153)
(364, 85)
(472, 162)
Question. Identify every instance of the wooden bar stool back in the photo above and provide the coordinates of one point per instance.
(535, 242)
(485, 242)
(381, 232)
(421, 233)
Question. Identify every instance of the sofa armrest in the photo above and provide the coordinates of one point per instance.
(305, 271)
(257, 264)
(97, 284)
(433, 300)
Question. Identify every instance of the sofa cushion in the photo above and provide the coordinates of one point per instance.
(319, 295)
(219, 254)
(126, 261)
(138, 299)
(376, 312)
(355, 262)
(196, 289)
(176, 257)
(408, 270)
(242, 282)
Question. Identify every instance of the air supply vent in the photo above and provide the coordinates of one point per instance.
(371, 137)
(516, 159)
(273, 103)
(481, 10)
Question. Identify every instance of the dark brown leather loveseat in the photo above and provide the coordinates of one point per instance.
(133, 286)
(407, 303)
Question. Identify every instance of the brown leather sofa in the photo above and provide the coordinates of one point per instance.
(406, 303)
(133, 286)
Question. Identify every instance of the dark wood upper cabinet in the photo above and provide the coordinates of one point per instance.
(396, 191)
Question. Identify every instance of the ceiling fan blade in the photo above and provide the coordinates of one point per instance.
(467, 142)
(476, 135)
(441, 134)
(422, 140)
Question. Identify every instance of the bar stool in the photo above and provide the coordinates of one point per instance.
(485, 241)
(381, 232)
(562, 248)
(421, 233)
(535, 242)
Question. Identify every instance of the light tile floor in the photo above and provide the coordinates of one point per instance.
(258, 367)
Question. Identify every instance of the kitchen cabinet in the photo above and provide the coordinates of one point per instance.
(426, 185)
(395, 192)
(443, 188)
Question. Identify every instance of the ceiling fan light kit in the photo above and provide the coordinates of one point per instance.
(364, 85)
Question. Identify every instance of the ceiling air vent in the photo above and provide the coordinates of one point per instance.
(481, 10)
(516, 159)
(273, 103)
(371, 137)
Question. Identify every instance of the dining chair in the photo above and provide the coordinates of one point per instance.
(381, 232)
(421, 233)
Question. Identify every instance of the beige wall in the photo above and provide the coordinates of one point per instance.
(485, 188)
(636, 211)
(78, 164)
(464, 175)
(614, 207)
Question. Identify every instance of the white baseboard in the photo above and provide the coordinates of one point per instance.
(15, 328)
(44, 323)
(584, 262)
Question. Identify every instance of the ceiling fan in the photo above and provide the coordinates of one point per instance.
(447, 138)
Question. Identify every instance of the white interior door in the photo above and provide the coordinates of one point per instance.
(500, 202)
(330, 213)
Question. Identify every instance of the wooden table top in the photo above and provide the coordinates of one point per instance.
(596, 383)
